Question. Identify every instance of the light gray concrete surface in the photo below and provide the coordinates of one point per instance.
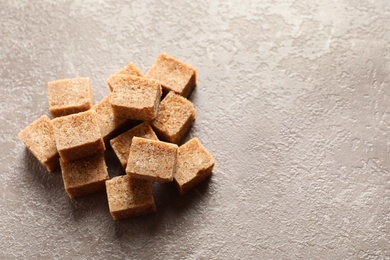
(293, 101)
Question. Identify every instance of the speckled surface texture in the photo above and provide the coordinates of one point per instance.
(292, 100)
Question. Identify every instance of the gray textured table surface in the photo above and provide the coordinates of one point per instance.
(293, 102)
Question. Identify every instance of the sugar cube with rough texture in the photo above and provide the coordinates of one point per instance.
(175, 118)
(173, 74)
(39, 139)
(135, 97)
(121, 144)
(69, 96)
(194, 164)
(78, 135)
(152, 160)
(130, 69)
(84, 176)
(109, 124)
(128, 197)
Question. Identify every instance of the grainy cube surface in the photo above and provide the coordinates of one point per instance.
(129, 197)
(39, 139)
(84, 176)
(194, 164)
(78, 135)
(121, 144)
(109, 124)
(175, 117)
(135, 97)
(173, 74)
(69, 96)
(152, 160)
(130, 69)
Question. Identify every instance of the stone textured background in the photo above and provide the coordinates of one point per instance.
(293, 101)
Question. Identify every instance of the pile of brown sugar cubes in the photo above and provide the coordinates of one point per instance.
(79, 132)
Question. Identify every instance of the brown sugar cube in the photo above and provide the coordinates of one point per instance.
(84, 176)
(135, 97)
(173, 74)
(128, 197)
(39, 139)
(130, 69)
(108, 123)
(174, 119)
(194, 164)
(78, 135)
(121, 144)
(69, 96)
(151, 160)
